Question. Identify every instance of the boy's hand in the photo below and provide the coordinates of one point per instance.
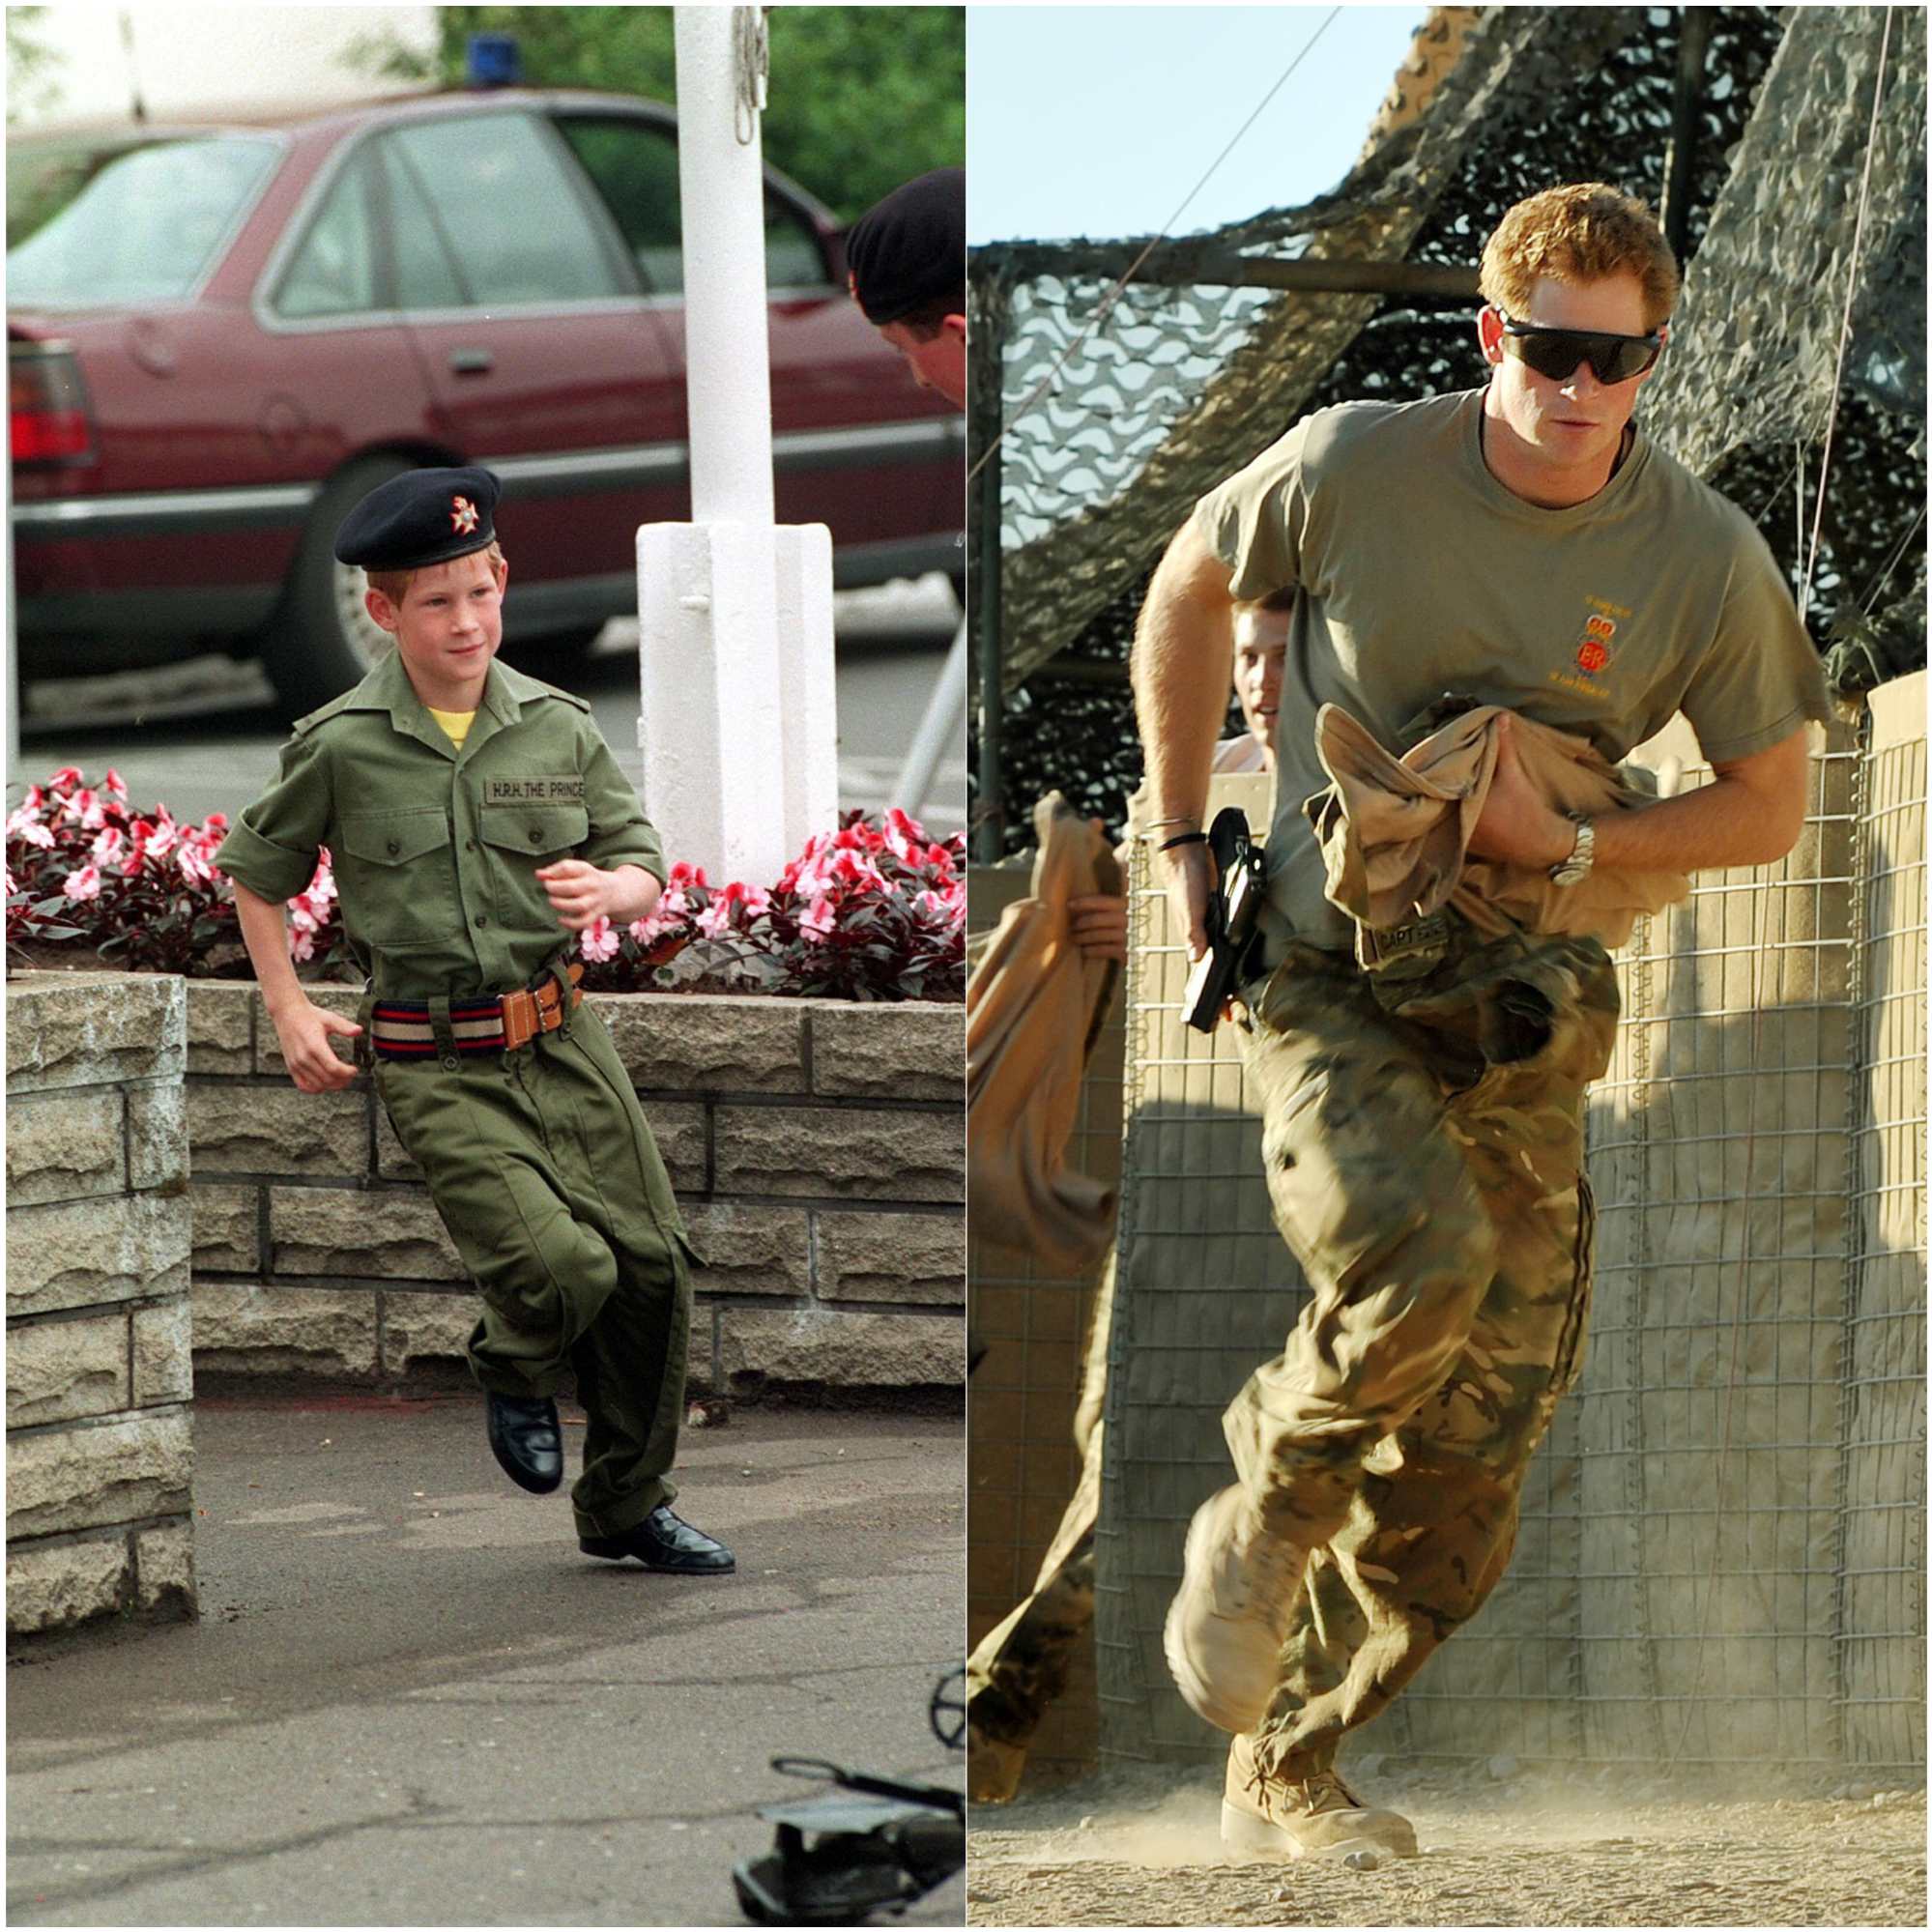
(304, 1032)
(580, 893)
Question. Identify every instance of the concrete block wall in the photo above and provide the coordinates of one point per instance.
(100, 1448)
(817, 1148)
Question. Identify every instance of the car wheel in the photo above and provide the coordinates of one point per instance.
(323, 640)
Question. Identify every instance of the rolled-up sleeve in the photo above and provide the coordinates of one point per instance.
(620, 832)
(274, 848)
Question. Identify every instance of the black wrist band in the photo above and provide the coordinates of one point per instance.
(1185, 839)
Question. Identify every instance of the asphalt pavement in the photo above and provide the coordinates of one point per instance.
(202, 736)
(410, 1701)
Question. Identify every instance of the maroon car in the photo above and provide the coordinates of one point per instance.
(230, 334)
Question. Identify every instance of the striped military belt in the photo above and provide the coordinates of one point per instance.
(405, 1029)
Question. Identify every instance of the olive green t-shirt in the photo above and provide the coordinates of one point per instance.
(435, 848)
(1423, 577)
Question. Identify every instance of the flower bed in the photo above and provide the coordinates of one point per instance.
(871, 911)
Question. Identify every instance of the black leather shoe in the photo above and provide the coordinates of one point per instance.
(526, 1439)
(664, 1542)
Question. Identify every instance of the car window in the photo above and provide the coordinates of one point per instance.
(792, 257)
(147, 227)
(512, 216)
(426, 273)
(634, 167)
(333, 269)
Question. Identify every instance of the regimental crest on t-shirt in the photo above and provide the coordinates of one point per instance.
(1598, 641)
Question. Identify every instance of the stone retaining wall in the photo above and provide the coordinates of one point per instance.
(100, 1453)
(817, 1147)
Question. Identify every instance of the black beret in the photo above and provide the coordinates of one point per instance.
(911, 246)
(423, 516)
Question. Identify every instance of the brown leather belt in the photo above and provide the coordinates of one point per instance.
(404, 1029)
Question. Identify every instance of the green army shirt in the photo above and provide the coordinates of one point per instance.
(1423, 577)
(435, 851)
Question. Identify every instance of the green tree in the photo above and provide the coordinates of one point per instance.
(861, 98)
(30, 62)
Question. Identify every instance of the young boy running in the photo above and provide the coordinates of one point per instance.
(476, 819)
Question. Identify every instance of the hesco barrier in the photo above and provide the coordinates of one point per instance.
(1721, 1558)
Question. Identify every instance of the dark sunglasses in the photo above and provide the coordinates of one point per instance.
(1556, 352)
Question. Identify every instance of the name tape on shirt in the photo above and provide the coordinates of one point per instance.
(535, 790)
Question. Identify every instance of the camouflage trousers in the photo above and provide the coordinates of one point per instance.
(1423, 1144)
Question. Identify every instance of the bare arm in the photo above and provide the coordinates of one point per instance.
(300, 1025)
(1183, 668)
(1751, 814)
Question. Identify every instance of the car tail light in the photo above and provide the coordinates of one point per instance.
(47, 406)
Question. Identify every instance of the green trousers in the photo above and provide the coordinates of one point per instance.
(543, 1169)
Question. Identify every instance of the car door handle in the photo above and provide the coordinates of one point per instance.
(471, 361)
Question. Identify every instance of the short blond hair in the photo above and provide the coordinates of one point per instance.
(394, 584)
(1580, 233)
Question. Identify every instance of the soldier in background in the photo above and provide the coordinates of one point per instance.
(1020, 1666)
(906, 261)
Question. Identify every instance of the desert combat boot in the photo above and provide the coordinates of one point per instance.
(1229, 1618)
(1315, 1816)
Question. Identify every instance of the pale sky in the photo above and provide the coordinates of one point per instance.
(187, 58)
(1097, 121)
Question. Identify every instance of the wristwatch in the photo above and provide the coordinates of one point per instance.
(1575, 869)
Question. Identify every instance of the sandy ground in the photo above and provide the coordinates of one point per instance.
(1596, 1851)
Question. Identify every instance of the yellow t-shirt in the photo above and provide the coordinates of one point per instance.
(455, 723)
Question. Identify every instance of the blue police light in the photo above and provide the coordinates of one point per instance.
(492, 59)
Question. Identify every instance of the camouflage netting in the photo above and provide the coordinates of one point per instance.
(1094, 482)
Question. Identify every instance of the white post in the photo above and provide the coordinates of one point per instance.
(721, 185)
(739, 735)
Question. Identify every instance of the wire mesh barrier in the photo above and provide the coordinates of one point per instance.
(1721, 1559)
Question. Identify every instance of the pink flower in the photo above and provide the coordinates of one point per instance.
(107, 845)
(599, 941)
(114, 784)
(83, 884)
(821, 916)
(20, 827)
(88, 808)
(63, 780)
(193, 867)
(164, 839)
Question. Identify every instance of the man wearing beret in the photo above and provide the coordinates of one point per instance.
(906, 257)
(476, 819)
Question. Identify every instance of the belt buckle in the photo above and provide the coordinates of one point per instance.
(521, 1021)
(1403, 952)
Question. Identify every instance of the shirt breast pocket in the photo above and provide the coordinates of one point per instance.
(397, 877)
(519, 839)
